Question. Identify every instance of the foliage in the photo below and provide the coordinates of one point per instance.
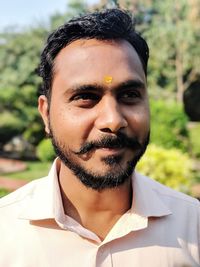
(74, 7)
(194, 139)
(19, 56)
(34, 133)
(45, 151)
(168, 125)
(173, 36)
(170, 167)
(10, 126)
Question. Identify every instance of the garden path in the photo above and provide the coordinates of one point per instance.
(11, 184)
(8, 166)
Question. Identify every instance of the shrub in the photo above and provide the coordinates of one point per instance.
(45, 151)
(10, 126)
(194, 137)
(170, 167)
(35, 133)
(168, 125)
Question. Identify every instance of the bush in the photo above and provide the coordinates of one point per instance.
(168, 125)
(35, 133)
(194, 137)
(170, 167)
(45, 151)
(10, 126)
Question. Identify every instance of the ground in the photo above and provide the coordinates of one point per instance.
(7, 166)
(11, 184)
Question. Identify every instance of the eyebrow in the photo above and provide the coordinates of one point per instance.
(132, 84)
(84, 87)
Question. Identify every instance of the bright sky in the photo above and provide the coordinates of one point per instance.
(23, 13)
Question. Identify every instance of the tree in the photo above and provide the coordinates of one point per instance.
(73, 8)
(19, 58)
(173, 36)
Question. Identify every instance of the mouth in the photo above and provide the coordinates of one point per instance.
(110, 145)
(110, 150)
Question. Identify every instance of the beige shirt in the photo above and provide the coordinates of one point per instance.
(162, 229)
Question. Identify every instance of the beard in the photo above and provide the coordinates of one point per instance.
(117, 174)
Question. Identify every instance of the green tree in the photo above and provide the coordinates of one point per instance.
(173, 36)
(19, 58)
(168, 125)
(73, 8)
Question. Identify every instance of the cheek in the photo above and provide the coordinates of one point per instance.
(71, 124)
(139, 122)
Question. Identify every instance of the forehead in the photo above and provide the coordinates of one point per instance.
(90, 61)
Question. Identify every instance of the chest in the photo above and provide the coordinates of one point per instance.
(44, 247)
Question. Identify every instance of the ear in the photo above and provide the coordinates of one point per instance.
(43, 107)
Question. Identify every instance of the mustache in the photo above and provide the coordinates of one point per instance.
(119, 141)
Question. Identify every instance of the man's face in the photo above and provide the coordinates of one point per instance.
(99, 114)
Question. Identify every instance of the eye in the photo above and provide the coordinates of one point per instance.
(85, 96)
(129, 96)
(86, 99)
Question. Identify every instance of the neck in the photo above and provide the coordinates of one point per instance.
(95, 210)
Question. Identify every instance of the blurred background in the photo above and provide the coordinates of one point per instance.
(172, 30)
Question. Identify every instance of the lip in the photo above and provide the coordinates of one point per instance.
(110, 151)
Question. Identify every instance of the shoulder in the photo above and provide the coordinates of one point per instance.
(167, 194)
(21, 194)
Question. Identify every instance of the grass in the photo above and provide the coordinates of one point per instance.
(35, 169)
(3, 192)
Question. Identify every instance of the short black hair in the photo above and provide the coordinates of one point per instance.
(108, 24)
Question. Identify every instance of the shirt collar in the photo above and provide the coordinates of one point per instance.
(44, 199)
(147, 201)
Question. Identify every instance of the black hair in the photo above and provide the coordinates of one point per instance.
(109, 24)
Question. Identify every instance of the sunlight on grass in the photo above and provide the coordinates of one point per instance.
(35, 169)
(3, 192)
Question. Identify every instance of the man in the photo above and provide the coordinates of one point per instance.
(93, 209)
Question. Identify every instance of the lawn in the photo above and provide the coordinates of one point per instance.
(35, 169)
(3, 192)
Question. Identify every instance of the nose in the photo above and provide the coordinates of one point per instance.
(110, 116)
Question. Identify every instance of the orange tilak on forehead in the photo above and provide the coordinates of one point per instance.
(108, 79)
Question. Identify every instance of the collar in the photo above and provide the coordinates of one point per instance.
(147, 201)
(43, 195)
(43, 200)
